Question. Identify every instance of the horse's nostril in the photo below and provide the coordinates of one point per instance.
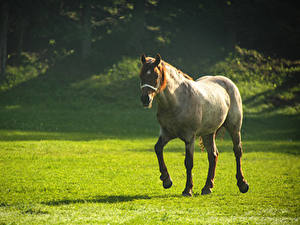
(145, 99)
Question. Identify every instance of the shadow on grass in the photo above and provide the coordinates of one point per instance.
(271, 127)
(106, 199)
(98, 199)
(132, 125)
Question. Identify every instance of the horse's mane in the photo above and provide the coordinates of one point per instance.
(177, 70)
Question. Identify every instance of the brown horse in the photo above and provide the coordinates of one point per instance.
(187, 109)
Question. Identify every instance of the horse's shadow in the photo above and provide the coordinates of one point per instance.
(105, 199)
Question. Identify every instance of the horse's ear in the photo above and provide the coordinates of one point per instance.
(143, 59)
(157, 59)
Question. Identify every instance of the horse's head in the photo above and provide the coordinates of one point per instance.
(152, 79)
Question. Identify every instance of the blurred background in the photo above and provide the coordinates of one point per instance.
(192, 34)
(83, 55)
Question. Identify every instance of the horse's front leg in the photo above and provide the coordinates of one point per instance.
(189, 161)
(212, 151)
(159, 146)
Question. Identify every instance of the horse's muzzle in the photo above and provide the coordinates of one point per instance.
(146, 100)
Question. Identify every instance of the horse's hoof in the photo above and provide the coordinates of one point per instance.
(205, 191)
(187, 193)
(243, 186)
(167, 183)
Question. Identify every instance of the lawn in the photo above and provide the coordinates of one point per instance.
(113, 181)
(82, 153)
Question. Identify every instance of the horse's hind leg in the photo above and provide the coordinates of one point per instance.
(159, 146)
(212, 151)
(237, 148)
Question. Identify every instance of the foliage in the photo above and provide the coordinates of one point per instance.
(250, 65)
(265, 83)
(125, 69)
(31, 68)
(52, 28)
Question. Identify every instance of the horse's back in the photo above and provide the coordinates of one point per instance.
(235, 113)
(220, 80)
(224, 82)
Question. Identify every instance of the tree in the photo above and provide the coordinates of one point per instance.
(3, 37)
(86, 30)
(137, 26)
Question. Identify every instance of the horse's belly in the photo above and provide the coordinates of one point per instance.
(201, 123)
(209, 126)
(213, 116)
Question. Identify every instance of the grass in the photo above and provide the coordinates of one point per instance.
(79, 150)
(114, 181)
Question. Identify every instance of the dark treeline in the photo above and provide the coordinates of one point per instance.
(97, 30)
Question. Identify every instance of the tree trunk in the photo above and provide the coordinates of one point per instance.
(137, 27)
(230, 22)
(86, 43)
(3, 38)
(21, 25)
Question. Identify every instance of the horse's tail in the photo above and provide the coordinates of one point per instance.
(201, 144)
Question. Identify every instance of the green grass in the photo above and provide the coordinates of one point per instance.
(79, 150)
(114, 181)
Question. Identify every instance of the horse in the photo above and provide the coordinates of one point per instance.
(187, 109)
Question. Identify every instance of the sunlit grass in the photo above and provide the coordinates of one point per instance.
(117, 181)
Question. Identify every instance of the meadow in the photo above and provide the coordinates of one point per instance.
(80, 151)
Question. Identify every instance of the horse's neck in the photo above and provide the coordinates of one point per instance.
(174, 83)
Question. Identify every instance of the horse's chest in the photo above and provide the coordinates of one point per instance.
(173, 122)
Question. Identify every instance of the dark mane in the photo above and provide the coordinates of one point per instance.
(151, 60)
(178, 70)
